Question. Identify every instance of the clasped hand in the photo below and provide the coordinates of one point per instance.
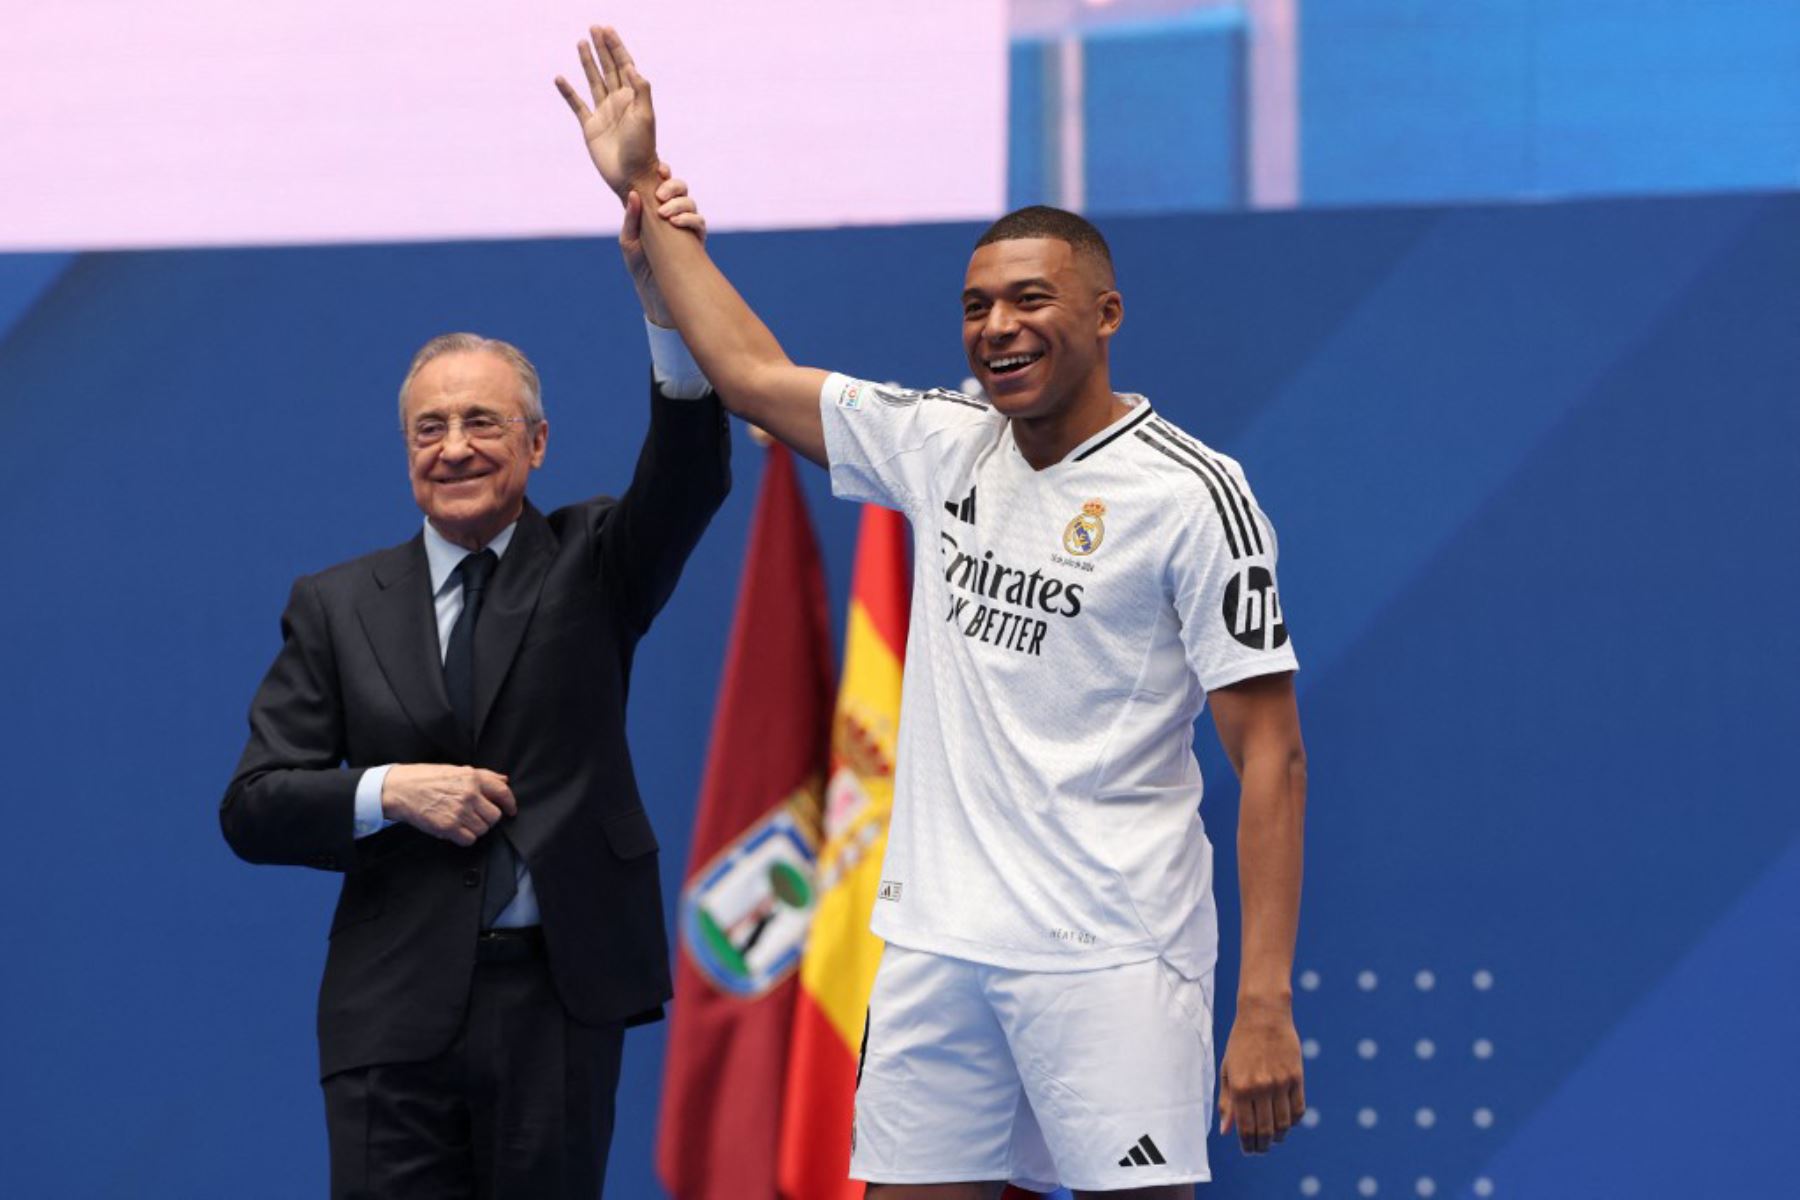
(458, 804)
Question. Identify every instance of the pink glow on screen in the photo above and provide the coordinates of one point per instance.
(205, 122)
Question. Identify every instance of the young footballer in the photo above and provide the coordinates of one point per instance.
(1088, 577)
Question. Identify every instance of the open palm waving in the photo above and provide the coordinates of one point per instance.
(621, 127)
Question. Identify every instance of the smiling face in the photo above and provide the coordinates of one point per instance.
(471, 488)
(1037, 317)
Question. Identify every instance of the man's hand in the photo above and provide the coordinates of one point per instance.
(673, 205)
(458, 804)
(621, 128)
(1261, 1088)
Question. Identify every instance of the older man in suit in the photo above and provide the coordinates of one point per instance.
(445, 725)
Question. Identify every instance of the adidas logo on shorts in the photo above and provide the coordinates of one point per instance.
(1143, 1154)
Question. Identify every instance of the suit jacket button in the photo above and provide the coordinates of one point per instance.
(472, 878)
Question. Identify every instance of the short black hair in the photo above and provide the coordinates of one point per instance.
(1043, 221)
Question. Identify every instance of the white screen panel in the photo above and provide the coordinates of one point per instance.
(202, 121)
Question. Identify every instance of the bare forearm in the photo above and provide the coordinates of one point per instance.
(1271, 822)
(727, 338)
(1261, 1080)
(738, 353)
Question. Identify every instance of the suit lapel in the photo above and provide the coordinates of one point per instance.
(400, 620)
(512, 598)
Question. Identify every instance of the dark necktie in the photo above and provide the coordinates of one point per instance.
(459, 681)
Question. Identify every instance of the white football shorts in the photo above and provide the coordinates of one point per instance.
(1096, 1080)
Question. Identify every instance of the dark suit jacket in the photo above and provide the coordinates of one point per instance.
(359, 682)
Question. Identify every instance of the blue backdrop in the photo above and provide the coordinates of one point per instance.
(1533, 469)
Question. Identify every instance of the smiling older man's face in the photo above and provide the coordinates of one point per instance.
(471, 487)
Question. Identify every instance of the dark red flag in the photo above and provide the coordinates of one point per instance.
(748, 895)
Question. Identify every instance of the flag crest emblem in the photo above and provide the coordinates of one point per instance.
(744, 916)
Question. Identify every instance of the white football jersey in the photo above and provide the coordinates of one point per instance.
(1066, 627)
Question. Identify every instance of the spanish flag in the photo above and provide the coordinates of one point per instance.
(750, 887)
(838, 968)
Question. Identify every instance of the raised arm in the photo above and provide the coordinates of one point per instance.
(1261, 1089)
(740, 356)
(674, 206)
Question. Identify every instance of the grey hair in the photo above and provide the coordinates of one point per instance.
(462, 343)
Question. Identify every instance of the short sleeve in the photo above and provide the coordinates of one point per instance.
(885, 444)
(1222, 572)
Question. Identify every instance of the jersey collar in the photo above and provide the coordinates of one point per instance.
(1135, 415)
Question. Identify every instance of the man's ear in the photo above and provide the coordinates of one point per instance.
(540, 440)
(1111, 308)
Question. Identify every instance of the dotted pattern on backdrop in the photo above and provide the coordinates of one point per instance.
(1400, 1098)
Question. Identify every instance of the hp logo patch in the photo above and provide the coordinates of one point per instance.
(1252, 611)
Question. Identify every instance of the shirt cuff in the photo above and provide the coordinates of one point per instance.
(673, 367)
(368, 802)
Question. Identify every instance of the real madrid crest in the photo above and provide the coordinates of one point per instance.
(1082, 535)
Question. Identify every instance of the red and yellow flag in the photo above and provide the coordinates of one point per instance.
(749, 891)
(838, 967)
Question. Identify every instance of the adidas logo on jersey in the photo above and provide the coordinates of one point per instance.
(965, 511)
(1143, 1154)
